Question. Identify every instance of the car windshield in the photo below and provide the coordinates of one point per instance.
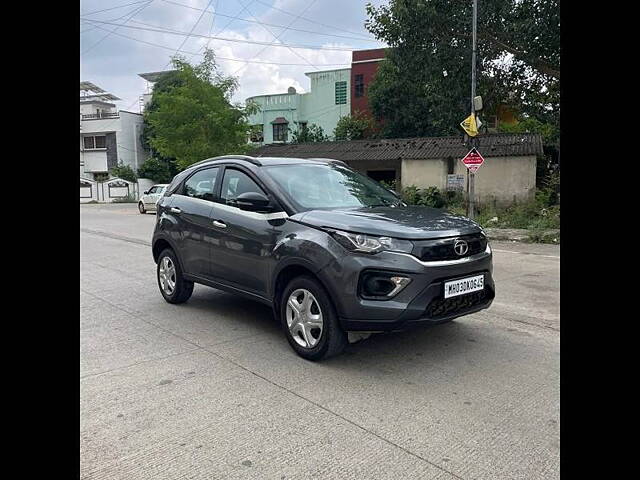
(322, 186)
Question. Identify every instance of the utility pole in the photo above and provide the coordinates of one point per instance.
(472, 175)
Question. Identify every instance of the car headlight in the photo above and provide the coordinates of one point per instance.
(360, 242)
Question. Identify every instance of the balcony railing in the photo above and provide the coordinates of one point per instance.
(98, 116)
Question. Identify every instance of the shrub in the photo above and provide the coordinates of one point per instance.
(125, 172)
(128, 199)
(540, 214)
(431, 197)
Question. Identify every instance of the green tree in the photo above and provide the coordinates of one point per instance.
(354, 127)
(193, 117)
(550, 133)
(157, 169)
(423, 88)
(124, 171)
(306, 134)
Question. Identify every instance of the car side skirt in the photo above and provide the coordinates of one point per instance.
(228, 288)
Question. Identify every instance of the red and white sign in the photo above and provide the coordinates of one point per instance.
(473, 160)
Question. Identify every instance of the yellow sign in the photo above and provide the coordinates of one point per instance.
(469, 125)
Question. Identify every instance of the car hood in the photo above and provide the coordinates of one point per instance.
(400, 222)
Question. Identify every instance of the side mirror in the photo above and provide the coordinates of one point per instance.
(146, 192)
(253, 202)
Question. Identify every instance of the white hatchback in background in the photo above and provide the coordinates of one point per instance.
(149, 198)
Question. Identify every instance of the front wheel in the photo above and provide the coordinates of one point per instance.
(173, 286)
(309, 320)
(141, 207)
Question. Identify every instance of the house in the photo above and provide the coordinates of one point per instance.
(333, 94)
(508, 174)
(364, 65)
(281, 113)
(108, 136)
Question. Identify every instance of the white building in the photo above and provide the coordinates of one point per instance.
(108, 136)
(151, 78)
(328, 99)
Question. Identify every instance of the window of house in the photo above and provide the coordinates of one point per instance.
(280, 132)
(256, 133)
(94, 142)
(359, 85)
(341, 93)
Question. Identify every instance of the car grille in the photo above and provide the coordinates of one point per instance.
(442, 249)
(445, 307)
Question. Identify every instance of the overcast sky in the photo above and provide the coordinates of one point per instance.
(113, 62)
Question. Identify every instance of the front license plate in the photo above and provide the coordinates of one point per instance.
(464, 285)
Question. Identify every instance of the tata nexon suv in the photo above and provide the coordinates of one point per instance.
(329, 249)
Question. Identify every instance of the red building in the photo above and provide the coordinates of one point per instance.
(364, 64)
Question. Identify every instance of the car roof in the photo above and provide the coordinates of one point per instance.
(265, 161)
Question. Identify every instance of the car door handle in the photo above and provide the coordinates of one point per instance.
(175, 210)
(220, 224)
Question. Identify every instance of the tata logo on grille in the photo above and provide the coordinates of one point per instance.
(460, 247)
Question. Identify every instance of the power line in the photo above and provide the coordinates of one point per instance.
(213, 20)
(213, 37)
(280, 34)
(275, 37)
(365, 39)
(114, 19)
(115, 8)
(133, 14)
(221, 58)
(223, 28)
(308, 19)
(191, 31)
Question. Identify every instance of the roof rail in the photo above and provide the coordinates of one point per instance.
(330, 160)
(231, 157)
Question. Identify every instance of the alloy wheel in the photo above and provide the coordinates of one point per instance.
(304, 318)
(167, 276)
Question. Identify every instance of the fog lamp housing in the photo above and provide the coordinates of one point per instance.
(376, 285)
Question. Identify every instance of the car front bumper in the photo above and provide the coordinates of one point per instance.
(420, 302)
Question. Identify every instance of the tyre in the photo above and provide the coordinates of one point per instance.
(141, 207)
(173, 286)
(309, 320)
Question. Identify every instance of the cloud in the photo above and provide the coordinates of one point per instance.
(114, 63)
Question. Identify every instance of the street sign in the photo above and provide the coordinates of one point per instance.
(455, 182)
(469, 125)
(473, 160)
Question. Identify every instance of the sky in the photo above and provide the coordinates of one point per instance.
(327, 29)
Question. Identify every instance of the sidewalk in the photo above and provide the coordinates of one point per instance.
(522, 235)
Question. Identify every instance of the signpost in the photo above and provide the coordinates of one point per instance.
(472, 175)
(470, 126)
(473, 160)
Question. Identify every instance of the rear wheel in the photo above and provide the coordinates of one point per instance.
(173, 286)
(309, 320)
(141, 207)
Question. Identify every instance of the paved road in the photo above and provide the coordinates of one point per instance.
(211, 389)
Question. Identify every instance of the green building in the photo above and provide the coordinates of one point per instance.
(282, 113)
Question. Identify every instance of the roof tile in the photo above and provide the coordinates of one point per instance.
(490, 145)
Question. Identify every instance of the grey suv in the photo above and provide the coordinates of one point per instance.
(329, 249)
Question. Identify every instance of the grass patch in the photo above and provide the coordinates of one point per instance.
(538, 215)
